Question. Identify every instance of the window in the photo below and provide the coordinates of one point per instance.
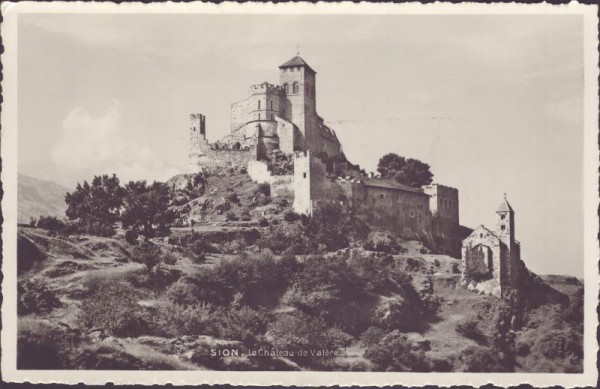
(259, 116)
(271, 105)
(304, 175)
(502, 217)
(502, 227)
(258, 104)
(286, 88)
(411, 213)
(481, 235)
(381, 195)
(295, 87)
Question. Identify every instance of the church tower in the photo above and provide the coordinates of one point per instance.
(298, 81)
(506, 224)
(510, 254)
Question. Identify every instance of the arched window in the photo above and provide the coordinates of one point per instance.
(286, 88)
(295, 87)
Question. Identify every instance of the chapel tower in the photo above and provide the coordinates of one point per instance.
(505, 221)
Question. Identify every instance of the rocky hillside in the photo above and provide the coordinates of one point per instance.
(37, 198)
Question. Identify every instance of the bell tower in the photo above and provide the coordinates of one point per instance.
(506, 223)
(298, 81)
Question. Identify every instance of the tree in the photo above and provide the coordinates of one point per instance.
(96, 208)
(146, 208)
(411, 172)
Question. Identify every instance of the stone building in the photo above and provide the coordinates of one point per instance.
(429, 213)
(276, 117)
(283, 119)
(491, 259)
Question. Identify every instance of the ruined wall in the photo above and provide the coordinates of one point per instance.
(302, 183)
(259, 172)
(483, 238)
(223, 158)
(281, 185)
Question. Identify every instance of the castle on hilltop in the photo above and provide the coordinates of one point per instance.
(281, 121)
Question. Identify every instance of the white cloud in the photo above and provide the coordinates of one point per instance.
(91, 146)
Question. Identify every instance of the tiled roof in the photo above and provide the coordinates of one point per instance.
(388, 184)
(296, 61)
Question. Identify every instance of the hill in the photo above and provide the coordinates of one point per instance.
(37, 198)
(243, 283)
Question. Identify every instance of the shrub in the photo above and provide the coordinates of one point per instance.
(35, 297)
(264, 189)
(263, 222)
(50, 223)
(147, 254)
(230, 216)
(243, 323)
(169, 258)
(290, 216)
(469, 329)
(113, 306)
(394, 353)
(299, 331)
(476, 359)
(372, 336)
(131, 236)
(455, 268)
(173, 320)
(233, 198)
(436, 263)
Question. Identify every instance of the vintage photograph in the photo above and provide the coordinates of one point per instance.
(309, 192)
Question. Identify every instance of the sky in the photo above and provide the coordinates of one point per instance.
(494, 104)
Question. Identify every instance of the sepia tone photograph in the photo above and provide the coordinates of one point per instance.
(301, 192)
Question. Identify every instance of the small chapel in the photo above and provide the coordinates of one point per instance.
(491, 257)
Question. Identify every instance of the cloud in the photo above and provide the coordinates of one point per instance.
(90, 145)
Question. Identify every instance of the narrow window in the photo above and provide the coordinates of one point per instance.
(259, 116)
(258, 104)
(411, 213)
(304, 175)
(286, 88)
(502, 217)
(271, 105)
(295, 87)
(502, 227)
(381, 196)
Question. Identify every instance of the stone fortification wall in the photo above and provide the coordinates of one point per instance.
(280, 185)
(222, 158)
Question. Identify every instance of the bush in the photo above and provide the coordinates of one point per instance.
(455, 268)
(169, 258)
(148, 254)
(131, 236)
(233, 198)
(50, 223)
(477, 359)
(372, 336)
(469, 330)
(263, 222)
(299, 331)
(290, 216)
(264, 189)
(35, 297)
(394, 353)
(231, 216)
(243, 323)
(113, 307)
(173, 320)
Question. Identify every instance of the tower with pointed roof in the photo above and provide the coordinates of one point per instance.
(505, 223)
(298, 81)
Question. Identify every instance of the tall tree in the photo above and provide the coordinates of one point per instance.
(146, 208)
(95, 208)
(411, 172)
